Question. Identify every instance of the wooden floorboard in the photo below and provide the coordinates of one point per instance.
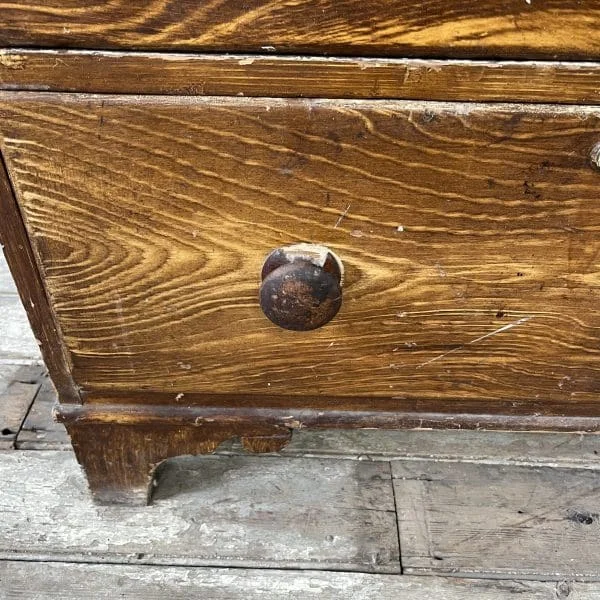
(224, 511)
(68, 581)
(40, 431)
(498, 521)
(16, 401)
(17, 343)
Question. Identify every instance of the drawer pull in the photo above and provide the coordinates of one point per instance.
(301, 286)
(595, 156)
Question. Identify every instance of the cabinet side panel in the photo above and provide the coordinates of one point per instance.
(23, 266)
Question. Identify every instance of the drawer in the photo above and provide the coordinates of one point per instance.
(468, 235)
(554, 29)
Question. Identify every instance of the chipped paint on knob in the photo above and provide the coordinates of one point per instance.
(595, 156)
(301, 286)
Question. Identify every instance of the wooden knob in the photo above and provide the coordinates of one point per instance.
(595, 156)
(301, 286)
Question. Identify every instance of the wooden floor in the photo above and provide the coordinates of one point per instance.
(414, 515)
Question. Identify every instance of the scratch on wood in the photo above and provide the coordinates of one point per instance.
(479, 339)
(341, 218)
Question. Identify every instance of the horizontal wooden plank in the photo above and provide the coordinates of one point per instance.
(554, 28)
(41, 432)
(284, 76)
(468, 232)
(495, 520)
(250, 511)
(509, 447)
(7, 375)
(71, 581)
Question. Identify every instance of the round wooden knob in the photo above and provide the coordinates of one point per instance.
(595, 156)
(301, 286)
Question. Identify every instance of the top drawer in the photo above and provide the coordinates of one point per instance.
(564, 29)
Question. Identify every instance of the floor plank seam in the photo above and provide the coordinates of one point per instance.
(397, 519)
(209, 564)
(25, 415)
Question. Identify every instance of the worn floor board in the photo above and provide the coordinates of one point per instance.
(68, 581)
(15, 402)
(508, 447)
(7, 285)
(40, 431)
(227, 511)
(497, 520)
(17, 343)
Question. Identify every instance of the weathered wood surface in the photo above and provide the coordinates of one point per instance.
(507, 447)
(119, 459)
(309, 77)
(17, 342)
(71, 581)
(40, 431)
(262, 512)
(24, 268)
(7, 284)
(506, 521)
(7, 375)
(515, 28)
(469, 236)
(15, 402)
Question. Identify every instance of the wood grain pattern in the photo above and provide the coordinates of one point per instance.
(23, 580)
(469, 237)
(120, 459)
(515, 28)
(505, 521)
(24, 268)
(41, 432)
(240, 512)
(284, 76)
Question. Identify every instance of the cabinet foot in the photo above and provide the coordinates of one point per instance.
(120, 459)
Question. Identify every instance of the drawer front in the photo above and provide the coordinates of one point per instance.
(469, 235)
(488, 28)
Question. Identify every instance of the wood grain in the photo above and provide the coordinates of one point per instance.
(289, 76)
(248, 511)
(24, 268)
(23, 580)
(505, 521)
(120, 459)
(512, 28)
(41, 432)
(469, 237)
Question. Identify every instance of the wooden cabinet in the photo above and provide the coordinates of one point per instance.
(142, 193)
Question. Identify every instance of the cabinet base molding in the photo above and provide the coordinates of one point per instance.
(121, 446)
